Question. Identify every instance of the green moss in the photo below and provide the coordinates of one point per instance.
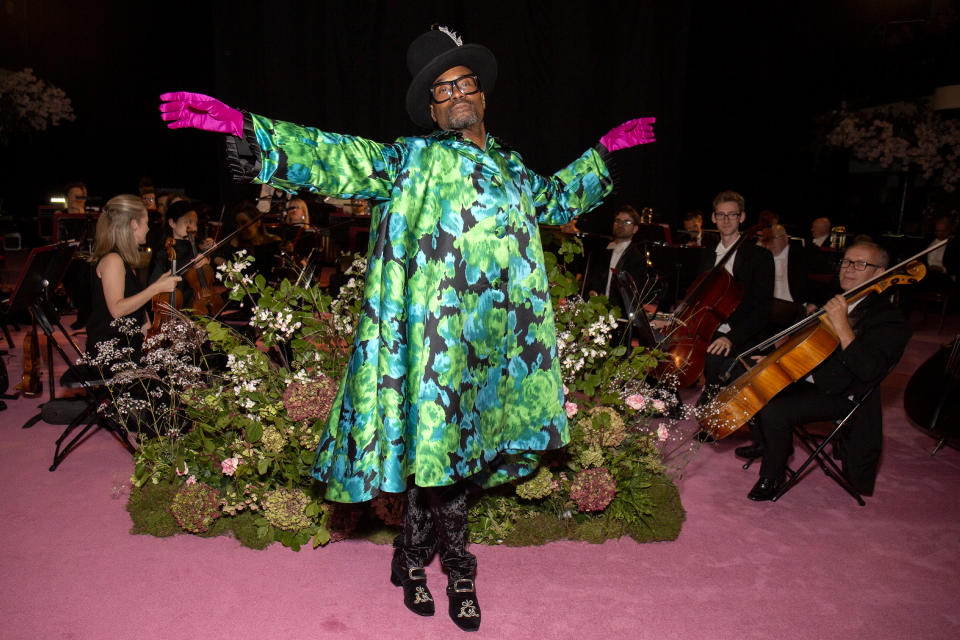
(149, 508)
(667, 516)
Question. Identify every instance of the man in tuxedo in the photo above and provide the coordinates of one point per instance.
(943, 264)
(820, 233)
(752, 268)
(793, 297)
(621, 256)
(873, 334)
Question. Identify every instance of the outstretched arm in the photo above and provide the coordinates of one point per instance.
(286, 155)
(582, 185)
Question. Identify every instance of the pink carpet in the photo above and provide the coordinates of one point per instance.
(814, 565)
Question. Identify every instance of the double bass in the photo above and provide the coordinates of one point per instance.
(708, 304)
(809, 342)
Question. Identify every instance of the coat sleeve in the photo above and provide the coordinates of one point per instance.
(291, 157)
(574, 190)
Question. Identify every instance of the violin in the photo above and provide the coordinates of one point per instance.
(31, 385)
(811, 341)
(163, 305)
(206, 301)
(709, 302)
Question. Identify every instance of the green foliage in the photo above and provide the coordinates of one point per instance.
(249, 430)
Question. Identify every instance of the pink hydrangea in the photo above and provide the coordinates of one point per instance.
(593, 489)
(229, 466)
(311, 400)
(636, 401)
(571, 408)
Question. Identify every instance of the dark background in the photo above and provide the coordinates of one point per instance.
(740, 90)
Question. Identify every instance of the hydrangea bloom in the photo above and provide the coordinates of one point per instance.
(285, 509)
(539, 486)
(310, 400)
(611, 435)
(593, 489)
(195, 507)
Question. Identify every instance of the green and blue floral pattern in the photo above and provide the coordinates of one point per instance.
(453, 372)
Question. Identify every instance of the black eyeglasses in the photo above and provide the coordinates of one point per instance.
(859, 265)
(442, 91)
(624, 221)
(725, 216)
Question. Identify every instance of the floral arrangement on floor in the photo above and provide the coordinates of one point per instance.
(229, 418)
(902, 134)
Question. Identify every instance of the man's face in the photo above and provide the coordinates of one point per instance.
(941, 229)
(727, 216)
(850, 276)
(776, 242)
(820, 228)
(76, 197)
(693, 225)
(460, 111)
(624, 226)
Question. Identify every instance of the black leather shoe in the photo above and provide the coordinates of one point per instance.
(749, 451)
(416, 596)
(464, 608)
(765, 489)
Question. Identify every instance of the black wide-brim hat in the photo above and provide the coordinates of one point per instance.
(433, 53)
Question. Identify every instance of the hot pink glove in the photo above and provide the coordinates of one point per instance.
(184, 109)
(629, 134)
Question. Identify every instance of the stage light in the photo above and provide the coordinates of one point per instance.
(58, 200)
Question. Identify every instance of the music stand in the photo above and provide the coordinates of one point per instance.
(42, 273)
(636, 315)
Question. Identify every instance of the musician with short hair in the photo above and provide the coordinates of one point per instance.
(872, 335)
(752, 268)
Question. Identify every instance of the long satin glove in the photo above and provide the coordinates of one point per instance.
(195, 110)
(629, 134)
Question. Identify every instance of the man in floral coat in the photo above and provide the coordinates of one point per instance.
(453, 374)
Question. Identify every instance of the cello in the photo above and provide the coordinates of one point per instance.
(810, 341)
(708, 304)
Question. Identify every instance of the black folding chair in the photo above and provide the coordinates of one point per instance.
(87, 411)
(816, 444)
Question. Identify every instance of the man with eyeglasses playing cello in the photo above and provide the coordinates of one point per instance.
(872, 335)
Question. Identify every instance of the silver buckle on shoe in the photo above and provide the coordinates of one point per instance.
(458, 589)
(421, 576)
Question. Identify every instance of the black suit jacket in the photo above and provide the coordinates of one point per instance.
(882, 334)
(753, 270)
(633, 261)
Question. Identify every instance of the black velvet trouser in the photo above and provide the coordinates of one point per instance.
(798, 404)
(435, 519)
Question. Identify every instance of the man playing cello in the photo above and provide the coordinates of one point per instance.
(872, 336)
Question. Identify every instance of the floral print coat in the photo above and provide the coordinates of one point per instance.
(454, 371)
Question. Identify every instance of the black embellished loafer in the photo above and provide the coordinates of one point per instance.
(765, 489)
(416, 595)
(749, 451)
(464, 608)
